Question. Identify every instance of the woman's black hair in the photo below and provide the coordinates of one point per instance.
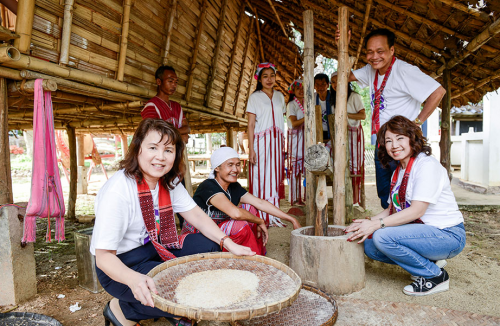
(291, 97)
(333, 93)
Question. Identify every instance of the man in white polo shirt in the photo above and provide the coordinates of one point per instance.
(396, 88)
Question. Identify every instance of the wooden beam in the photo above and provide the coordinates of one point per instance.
(234, 50)
(341, 141)
(278, 17)
(124, 39)
(73, 173)
(474, 87)
(194, 58)
(467, 9)
(363, 31)
(66, 31)
(28, 87)
(479, 41)
(6, 196)
(309, 110)
(24, 24)
(243, 70)
(262, 57)
(80, 144)
(445, 142)
(252, 80)
(168, 27)
(215, 58)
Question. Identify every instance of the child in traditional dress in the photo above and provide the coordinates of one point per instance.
(266, 140)
(355, 113)
(295, 141)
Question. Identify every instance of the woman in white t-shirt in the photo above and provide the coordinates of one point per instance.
(295, 141)
(135, 226)
(355, 113)
(266, 140)
(422, 225)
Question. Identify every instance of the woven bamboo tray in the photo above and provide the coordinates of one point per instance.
(313, 307)
(278, 287)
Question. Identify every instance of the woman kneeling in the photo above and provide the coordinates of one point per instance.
(135, 227)
(422, 225)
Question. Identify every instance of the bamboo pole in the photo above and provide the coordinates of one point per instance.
(363, 31)
(445, 141)
(201, 22)
(32, 63)
(6, 196)
(78, 88)
(124, 39)
(309, 110)
(73, 173)
(233, 56)
(215, 58)
(168, 28)
(242, 71)
(479, 41)
(278, 17)
(340, 158)
(260, 38)
(24, 24)
(29, 87)
(66, 31)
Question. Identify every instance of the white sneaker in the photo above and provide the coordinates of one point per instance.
(440, 263)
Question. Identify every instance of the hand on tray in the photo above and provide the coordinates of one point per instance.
(142, 286)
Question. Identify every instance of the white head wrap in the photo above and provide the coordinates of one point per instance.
(220, 156)
(334, 74)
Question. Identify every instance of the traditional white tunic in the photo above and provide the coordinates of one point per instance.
(356, 146)
(267, 175)
(295, 142)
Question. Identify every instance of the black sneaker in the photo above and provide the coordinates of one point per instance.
(425, 286)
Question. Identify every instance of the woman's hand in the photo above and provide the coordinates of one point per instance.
(296, 224)
(141, 286)
(252, 157)
(264, 232)
(362, 229)
(237, 249)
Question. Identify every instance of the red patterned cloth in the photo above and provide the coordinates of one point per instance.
(378, 97)
(156, 108)
(168, 232)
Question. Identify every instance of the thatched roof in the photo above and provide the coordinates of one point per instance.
(215, 45)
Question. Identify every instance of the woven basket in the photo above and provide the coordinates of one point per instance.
(320, 311)
(278, 288)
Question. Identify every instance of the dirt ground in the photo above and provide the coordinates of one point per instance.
(474, 274)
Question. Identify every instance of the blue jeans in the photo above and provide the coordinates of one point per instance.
(383, 178)
(143, 259)
(415, 247)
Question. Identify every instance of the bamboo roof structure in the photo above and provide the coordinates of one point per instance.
(102, 54)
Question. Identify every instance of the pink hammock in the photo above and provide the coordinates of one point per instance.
(46, 198)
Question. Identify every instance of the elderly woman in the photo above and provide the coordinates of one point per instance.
(220, 195)
(135, 228)
(422, 225)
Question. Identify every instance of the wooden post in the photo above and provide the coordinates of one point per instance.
(170, 23)
(73, 172)
(189, 87)
(339, 211)
(124, 39)
(231, 138)
(24, 24)
(81, 149)
(309, 110)
(66, 31)
(319, 124)
(6, 196)
(215, 58)
(445, 142)
(317, 161)
(124, 145)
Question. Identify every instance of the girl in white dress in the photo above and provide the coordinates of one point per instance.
(266, 140)
(295, 142)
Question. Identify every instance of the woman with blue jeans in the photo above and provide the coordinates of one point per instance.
(422, 225)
